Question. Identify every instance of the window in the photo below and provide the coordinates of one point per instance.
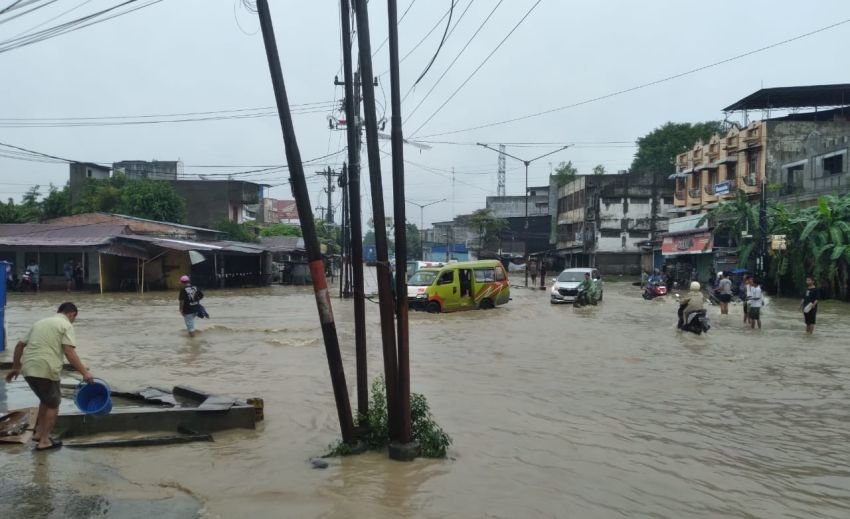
(752, 163)
(639, 200)
(610, 233)
(833, 165)
(500, 273)
(484, 275)
(731, 174)
(667, 201)
(447, 278)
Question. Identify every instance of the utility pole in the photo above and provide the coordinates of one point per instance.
(351, 83)
(345, 241)
(502, 153)
(422, 223)
(308, 227)
(406, 449)
(329, 174)
(386, 304)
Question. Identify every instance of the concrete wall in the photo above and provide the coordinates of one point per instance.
(795, 158)
(79, 172)
(209, 202)
(514, 206)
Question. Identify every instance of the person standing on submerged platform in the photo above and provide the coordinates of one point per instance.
(38, 356)
(190, 302)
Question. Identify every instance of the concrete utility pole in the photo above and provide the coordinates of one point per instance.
(329, 174)
(351, 83)
(500, 190)
(298, 182)
(502, 153)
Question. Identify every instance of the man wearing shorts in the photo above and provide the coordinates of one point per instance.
(38, 356)
(724, 290)
(809, 305)
(755, 303)
(745, 297)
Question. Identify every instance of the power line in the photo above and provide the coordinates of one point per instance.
(411, 51)
(73, 25)
(643, 85)
(477, 68)
(60, 15)
(459, 54)
(400, 19)
(442, 42)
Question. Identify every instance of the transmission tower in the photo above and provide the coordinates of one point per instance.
(500, 191)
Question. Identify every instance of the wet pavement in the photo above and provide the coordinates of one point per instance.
(604, 411)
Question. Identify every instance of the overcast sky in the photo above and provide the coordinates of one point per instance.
(181, 56)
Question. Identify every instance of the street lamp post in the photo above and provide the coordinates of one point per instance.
(526, 162)
(422, 223)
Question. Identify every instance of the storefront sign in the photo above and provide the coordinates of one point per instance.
(697, 243)
(722, 188)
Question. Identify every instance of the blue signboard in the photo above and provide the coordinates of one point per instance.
(722, 188)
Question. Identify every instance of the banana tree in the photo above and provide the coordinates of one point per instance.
(736, 218)
(824, 239)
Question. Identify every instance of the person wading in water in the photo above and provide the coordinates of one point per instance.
(190, 302)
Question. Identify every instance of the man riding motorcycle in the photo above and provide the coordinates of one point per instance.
(587, 294)
(692, 315)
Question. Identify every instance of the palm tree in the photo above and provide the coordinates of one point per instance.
(735, 218)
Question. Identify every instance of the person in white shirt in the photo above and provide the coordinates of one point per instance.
(755, 301)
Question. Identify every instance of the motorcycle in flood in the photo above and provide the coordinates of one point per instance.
(654, 290)
(586, 297)
(26, 282)
(696, 322)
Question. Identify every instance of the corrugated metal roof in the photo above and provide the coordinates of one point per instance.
(282, 243)
(187, 245)
(794, 97)
(51, 235)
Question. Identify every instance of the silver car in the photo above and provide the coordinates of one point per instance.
(565, 286)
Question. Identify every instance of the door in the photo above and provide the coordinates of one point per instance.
(446, 290)
(466, 295)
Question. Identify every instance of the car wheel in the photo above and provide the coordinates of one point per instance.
(486, 304)
(433, 307)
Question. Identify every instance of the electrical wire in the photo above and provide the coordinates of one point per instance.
(459, 54)
(400, 19)
(74, 25)
(644, 85)
(60, 15)
(434, 114)
(440, 46)
(411, 51)
(36, 8)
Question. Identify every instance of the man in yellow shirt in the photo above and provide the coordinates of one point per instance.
(38, 356)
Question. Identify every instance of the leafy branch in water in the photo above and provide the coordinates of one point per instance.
(433, 441)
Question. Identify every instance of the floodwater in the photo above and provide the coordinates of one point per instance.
(600, 412)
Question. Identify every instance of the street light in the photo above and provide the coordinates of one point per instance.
(526, 162)
(421, 223)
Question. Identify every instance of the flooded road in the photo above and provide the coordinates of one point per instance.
(599, 412)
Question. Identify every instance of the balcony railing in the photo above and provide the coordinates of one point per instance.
(680, 195)
(709, 189)
(694, 193)
(829, 182)
(751, 180)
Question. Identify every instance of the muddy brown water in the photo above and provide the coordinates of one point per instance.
(602, 412)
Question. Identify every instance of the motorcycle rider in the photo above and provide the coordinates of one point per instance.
(585, 290)
(694, 303)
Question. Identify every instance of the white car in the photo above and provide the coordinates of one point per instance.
(565, 286)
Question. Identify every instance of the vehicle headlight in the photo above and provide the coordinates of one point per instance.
(420, 296)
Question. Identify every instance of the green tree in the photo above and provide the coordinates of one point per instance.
(10, 213)
(488, 226)
(29, 209)
(102, 196)
(281, 229)
(734, 219)
(414, 242)
(329, 235)
(152, 199)
(657, 150)
(599, 169)
(57, 203)
(565, 173)
(245, 232)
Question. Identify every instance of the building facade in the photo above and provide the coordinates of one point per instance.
(603, 219)
(152, 169)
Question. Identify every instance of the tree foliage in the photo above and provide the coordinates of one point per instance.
(599, 169)
(657, 150)
(488, 226)
(281, 229)
(246, 231)
(152, 199)
(565, 173)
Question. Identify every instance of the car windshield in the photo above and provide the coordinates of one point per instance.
(422, 278)
(571, 277)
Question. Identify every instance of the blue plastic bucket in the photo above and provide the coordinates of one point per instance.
(94, 398)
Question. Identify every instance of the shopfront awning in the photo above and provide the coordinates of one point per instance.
(124, 250)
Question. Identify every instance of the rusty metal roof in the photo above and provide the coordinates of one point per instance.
(189, 245)
(51, 235)
(283, 243)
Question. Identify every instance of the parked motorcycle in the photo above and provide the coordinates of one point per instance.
(696, 322)
(654, 290)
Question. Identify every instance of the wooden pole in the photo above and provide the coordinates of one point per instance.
(308, 227)
(100, 272)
